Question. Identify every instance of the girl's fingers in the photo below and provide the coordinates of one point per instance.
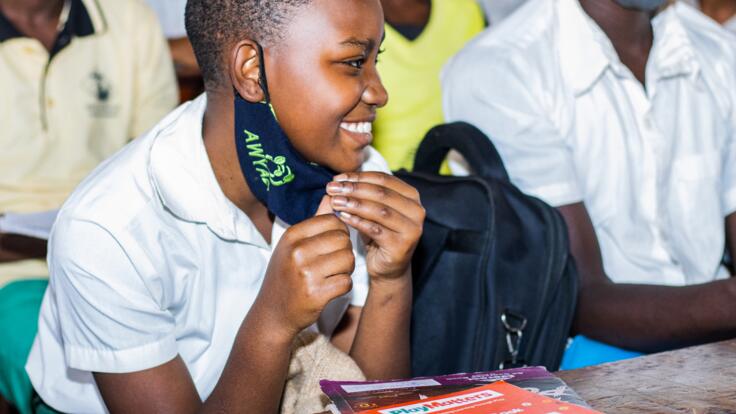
(374, 231)
(375, 212)
(382, 180)
(323, 243)
(328, 265)
(364, 191)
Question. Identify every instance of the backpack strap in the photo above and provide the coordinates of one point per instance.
(469, 141)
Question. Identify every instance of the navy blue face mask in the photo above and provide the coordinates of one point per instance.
(288, 185)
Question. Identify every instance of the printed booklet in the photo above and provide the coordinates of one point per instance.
(497, 398)
(351, 397)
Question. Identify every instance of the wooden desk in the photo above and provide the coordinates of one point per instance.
(697, 380)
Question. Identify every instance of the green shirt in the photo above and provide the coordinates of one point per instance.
(410, 71)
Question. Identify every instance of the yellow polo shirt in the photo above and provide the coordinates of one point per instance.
(108, 79)
(410, 70)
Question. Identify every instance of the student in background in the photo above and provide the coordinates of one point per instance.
(79, 79)
(722, 11)
(421, 35)
(625, 120)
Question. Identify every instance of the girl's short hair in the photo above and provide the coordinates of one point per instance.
(214, 25)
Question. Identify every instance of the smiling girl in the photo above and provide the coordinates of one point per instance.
(183, 269)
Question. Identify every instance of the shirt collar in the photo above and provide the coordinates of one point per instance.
(583, 56)
(184, 181)
(79, 22)
(673, 51)
(586, 52)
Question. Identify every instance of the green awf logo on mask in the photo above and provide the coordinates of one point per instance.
(273, 170)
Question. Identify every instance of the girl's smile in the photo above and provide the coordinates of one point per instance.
(361, 132)
(323, 81)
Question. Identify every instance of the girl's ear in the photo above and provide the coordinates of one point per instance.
(245, 71)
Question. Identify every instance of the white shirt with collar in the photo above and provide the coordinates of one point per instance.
(655, 166)
(148, 260)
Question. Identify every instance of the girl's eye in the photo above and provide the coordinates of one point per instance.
(357, 63)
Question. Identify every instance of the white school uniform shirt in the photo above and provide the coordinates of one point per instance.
(655, 167)
(148, 260)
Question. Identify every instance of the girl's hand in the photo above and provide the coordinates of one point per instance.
(311, 265)
(388, 214)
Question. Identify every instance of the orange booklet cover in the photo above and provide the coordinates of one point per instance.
(497, 398)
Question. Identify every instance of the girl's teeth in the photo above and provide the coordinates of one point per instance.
(358, 127)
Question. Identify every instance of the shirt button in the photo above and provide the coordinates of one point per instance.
(50, 103)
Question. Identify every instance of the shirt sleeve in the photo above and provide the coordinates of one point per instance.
(729, 173)
(109, 320)
(728, 177)
(521, 111)
(155, 89)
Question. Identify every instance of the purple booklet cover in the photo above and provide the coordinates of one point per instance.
(353, 397)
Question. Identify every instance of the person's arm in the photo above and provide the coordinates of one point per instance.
(310, 267)
(644, 318)
(252, 381)
(381, 345)
(731, 236)
(385, 325)
(388, 214)
(15, 247)
(5, 406)
(378, 338)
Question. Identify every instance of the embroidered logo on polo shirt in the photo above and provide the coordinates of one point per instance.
(273, 170)
(100, 89)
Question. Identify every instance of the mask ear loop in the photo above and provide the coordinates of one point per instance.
(262, 74)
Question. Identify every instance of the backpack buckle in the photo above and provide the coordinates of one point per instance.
(514, 325)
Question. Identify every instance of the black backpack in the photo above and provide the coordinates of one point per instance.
(495, 285)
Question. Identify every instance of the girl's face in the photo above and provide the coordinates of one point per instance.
(323, 81)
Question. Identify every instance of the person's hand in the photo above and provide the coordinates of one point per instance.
(388, 214)
(311, 265)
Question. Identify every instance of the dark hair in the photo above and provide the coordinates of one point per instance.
(214, 25)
